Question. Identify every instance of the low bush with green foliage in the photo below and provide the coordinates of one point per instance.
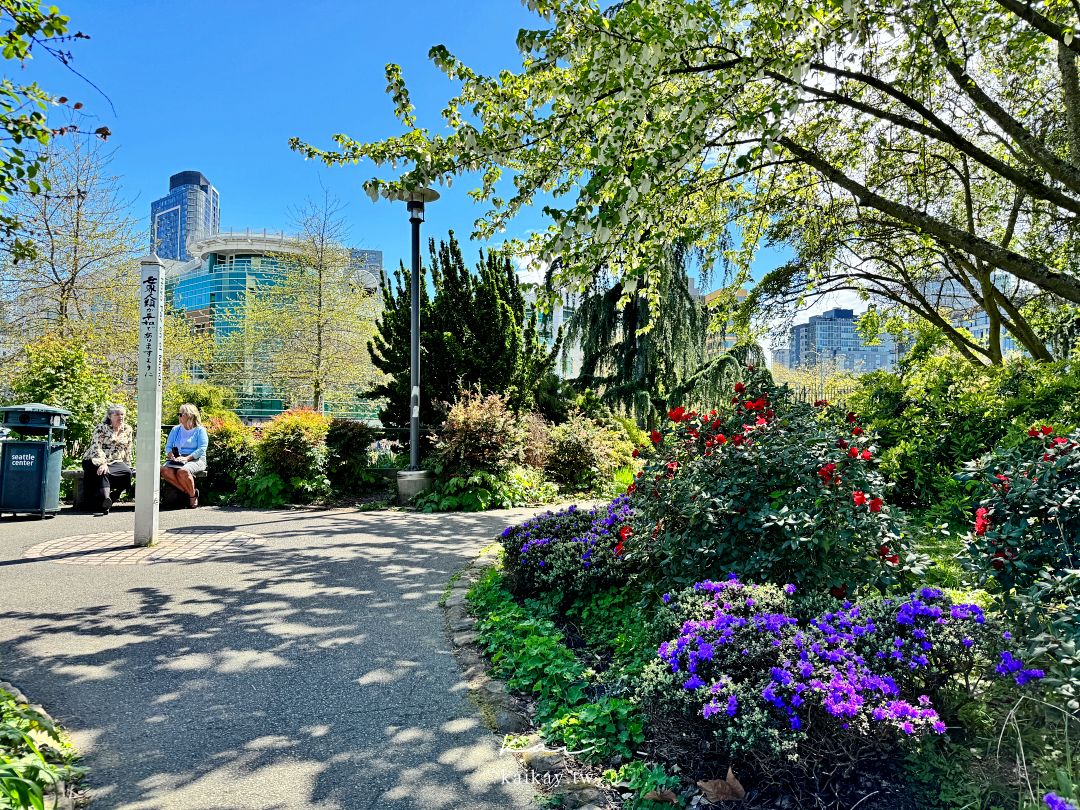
(528, 651)
(480, 434)
(34, 757)
(478, 491)
(585, 454)
(941, 411)
(348, 464)
(230, 454)
(291, 461)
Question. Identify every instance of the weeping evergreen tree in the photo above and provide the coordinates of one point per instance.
(475, 332)
(647, 353)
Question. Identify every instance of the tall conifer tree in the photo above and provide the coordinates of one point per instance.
(475, 331)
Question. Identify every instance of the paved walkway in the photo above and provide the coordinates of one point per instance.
(282, 660)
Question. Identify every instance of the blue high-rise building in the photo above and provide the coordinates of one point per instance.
(831, 339)
(188, 213)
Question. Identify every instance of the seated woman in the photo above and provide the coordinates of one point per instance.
(185, 453)
(108, 461)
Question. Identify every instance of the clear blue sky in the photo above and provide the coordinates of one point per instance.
(220, 88)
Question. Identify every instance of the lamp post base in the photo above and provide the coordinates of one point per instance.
(411, 483)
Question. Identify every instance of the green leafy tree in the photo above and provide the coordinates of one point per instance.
(853, 129)
(24, 128)
(644, 353)
(476, 332)
(305, 330)
(59, 372)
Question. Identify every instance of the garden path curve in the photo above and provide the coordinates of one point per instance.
(309, 668)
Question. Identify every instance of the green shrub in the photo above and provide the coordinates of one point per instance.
(291, 459)
(478, 491)
(537, 440)
(348, 464)
(778, 491)
(1029, 519)
(598, 731)
(644, 780)
(230, 454)
(211, 400)
(59, 372)
(585, 454)
(943, 411)
(33, 756)
(480, 434)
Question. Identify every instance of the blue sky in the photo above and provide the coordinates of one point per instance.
(221, 87)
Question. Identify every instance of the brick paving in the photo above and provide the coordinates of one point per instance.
(115, 548)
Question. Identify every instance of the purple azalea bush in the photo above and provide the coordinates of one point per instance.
(770, 681)
(573, 550)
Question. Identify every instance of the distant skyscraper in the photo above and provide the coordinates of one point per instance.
(189, 212)
(831, 338)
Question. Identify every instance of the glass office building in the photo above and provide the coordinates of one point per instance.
(831, 339)
(211, 289)
(188, 213)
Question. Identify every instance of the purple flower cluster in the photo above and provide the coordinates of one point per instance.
(820, 666)
(592, 531)
(1010, 665)
(1055, 802)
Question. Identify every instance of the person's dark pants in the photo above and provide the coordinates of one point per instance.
(117, 479)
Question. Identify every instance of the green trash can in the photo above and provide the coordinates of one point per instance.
(31, 458)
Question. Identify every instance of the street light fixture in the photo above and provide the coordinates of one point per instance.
(415, 201)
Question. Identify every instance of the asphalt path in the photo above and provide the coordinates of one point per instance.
(309, 671)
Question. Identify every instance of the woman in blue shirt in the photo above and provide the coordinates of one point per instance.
(185, 453)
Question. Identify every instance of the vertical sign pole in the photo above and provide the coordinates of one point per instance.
(148, 435)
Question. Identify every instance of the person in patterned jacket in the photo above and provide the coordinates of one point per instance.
(108, 460)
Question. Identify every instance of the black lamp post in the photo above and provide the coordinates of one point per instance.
(415, 201)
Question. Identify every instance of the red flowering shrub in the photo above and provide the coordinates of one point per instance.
(773, 490)
(1029, 517)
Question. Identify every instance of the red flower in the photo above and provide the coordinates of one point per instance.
(618, 548)
(852, 416)
(740, 388)
(821, 403)
(677, 414)
(884, 551)
(827, 472)
(866, 455)
(1046, 430)
(737, 439)
(893, 559)
(636, 453)
(838, 591)
(673, 465)
(853, 452)
(625, 532)
(982, 520)
(721, 438)
(656, 437)
(859, 497)
(876, 504)
(1060, 440)
(630, 490)
(1033, 432)
(856, 431)
(761, 420)
(842, 443)
(1005, 482)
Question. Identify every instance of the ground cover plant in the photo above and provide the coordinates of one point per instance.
(34, 757)
(756, 601)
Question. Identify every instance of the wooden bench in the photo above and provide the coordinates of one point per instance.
(76, 474)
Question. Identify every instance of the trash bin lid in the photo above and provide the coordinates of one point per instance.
(35, 407)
